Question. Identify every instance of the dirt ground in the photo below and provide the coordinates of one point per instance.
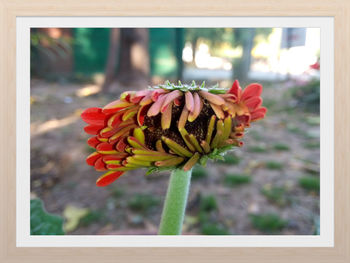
(278, 153)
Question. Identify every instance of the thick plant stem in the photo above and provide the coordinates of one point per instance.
(175, 203)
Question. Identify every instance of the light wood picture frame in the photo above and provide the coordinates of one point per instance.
(340, 10)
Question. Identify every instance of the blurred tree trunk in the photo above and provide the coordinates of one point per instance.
(134, 61)
(112, 58)
(180, 41)
(243, 67)
(128, 59)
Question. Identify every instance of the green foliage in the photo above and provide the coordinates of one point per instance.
(199, 172)
(90, 49)
(313, 120)
(45, 50)
(269, 103)
(275, 195)
(143, 202)
(268, 223)
(255, 134)
(117, 192)
(213, 229)
(308, 95)
(311, 183)
(207, 224)
(294, 129)
(312, 145)
(213, 36)
(230, 159)
(164, 45)
(208, 204)
(281, 147)
(233, 180)
(91, 217)
(258, 148)
(43, 223)
(273, 165)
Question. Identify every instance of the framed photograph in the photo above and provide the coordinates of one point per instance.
(139, 134)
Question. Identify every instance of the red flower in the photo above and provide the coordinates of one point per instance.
(168, 126)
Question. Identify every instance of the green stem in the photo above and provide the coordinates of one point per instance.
(175, 203)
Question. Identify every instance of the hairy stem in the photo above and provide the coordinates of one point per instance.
(175, 203)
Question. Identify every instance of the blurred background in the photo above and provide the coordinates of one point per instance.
(269, 186)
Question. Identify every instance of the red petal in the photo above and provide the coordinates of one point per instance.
(251, 90)
(115, 120)
(258, 114)
(113, 166)
(236, 89)
(108, 132)
(114, 157)
(93, 141)
(100, 165)
(93, 116)
(177, 102)
(108, 178)
(105, 146)
(92, 158)
(121, 145)
(141, 114)
(243, 119)
(253, 103)
(115, 106)
(93, 129)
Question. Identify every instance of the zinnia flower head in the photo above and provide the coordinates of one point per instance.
(169, 126)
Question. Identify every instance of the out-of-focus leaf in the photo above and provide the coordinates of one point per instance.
(43, 223)
(73, 215)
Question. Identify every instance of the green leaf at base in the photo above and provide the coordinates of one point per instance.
(43, 223)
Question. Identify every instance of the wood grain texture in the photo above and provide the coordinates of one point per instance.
(340, 9)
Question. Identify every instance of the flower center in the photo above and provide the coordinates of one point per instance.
(198, 127)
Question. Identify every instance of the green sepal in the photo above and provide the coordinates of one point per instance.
(203, 160)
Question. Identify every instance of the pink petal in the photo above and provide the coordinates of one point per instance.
(196, 109)
(156, 106)
(189, 100)
(169, 98)
(138, 96)
(156, 93)
(212, 98)
(166, 117)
